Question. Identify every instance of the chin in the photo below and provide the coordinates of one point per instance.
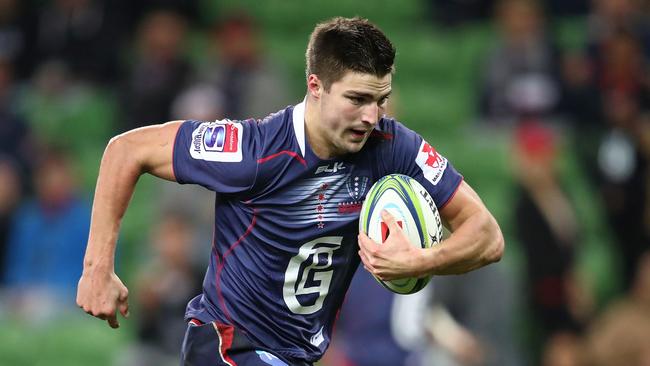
(355, 147)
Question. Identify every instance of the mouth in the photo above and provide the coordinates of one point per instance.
(358, 133)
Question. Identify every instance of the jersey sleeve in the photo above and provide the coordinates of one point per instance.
(415, 157)
(220, 156)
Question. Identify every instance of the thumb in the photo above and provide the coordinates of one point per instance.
(390, 220)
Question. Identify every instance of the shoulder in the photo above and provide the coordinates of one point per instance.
(393, 133)
(276, 120)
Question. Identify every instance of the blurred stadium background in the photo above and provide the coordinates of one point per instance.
(541, 106)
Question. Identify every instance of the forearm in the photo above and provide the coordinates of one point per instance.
(474, 244)
(127, 156)
(118, 173)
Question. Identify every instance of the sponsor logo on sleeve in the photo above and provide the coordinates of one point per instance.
(217, 141)
(433, 165)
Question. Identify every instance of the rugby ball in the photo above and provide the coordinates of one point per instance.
(416, 213)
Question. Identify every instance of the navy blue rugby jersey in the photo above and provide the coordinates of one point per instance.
(286, 223)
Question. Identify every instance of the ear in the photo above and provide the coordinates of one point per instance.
(314, 86)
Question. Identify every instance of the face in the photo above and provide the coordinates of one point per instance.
(348, 112)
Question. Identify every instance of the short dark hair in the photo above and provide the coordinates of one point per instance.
(348, 44)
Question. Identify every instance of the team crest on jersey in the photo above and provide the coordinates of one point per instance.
(217, 141)
(356, 187)
(433, 165)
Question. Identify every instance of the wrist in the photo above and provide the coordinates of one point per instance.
(430, 259)
(96, 266)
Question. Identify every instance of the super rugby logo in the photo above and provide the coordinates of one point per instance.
(217, 141)
(213, 138)
(433, 165)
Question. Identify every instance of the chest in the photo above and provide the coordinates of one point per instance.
(318, 196)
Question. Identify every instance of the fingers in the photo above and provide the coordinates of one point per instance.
(367, 248)
(112, 321)
(124, 309)
(123, 303)
(366, 262)
(103, 296)
(365, 242)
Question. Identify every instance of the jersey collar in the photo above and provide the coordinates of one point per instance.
(299, 125)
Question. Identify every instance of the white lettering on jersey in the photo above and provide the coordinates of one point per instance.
(326, 168)
(433, 165)
(217, 141)
(309, 272)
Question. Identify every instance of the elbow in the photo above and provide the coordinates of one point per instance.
(497, 244)
(119, 150)
(116, 147)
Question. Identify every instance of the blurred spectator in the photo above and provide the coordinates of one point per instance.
(621, 335)
(561, 8)
(48, 237)
(608, 99)
(15, 139)
(563, 349)
(160, 69)
(13, 36)
(188, 9)
(616, 60)
(10, 195)
(471, 319)
(200, 102)
(250, 83)
(623, 156)
(457, 12)
(82, 34)
(68, 114)
(582, 105)
(377, 327)
(165, 284)
(609, 17)
(547, 229)
(521, 73)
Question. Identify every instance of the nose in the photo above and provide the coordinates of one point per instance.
(370, 114)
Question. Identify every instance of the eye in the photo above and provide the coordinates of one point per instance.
(383, 101)
(356, 100)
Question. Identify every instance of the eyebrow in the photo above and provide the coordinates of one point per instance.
(367, 95)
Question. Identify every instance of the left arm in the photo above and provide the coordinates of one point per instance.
(476, 241)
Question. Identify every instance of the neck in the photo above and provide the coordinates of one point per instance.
(312, 133)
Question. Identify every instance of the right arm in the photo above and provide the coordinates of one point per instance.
(144, 150)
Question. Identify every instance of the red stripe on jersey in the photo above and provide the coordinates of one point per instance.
(226, 335)
(293, 154)
(221, 261)
(196, 321)
(381, 135)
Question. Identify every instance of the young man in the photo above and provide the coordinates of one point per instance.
(286, 239)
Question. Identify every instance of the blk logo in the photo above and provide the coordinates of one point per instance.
(335, 167)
